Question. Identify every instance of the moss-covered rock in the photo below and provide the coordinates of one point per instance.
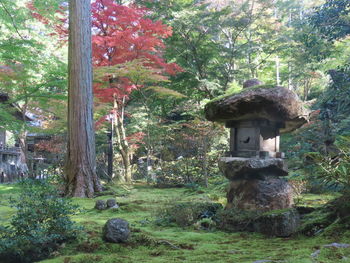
(234, 220)
(280, 223)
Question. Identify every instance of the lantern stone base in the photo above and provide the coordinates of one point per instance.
(255, 183)
(268, 194)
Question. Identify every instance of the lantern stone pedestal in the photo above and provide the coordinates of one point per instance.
(254, 164)
(255, 183)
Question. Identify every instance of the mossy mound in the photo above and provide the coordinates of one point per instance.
(280, 223)
(188, 213)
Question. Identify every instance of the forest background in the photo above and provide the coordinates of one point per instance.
(156, 64)
(173, 57)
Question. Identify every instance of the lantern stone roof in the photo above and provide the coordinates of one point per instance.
(274, 103)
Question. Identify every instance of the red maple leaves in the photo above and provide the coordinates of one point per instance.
(122, 34)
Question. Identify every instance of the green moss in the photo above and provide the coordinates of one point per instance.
(235, 92)
(276, 212)
(141, 203)
(317, 200)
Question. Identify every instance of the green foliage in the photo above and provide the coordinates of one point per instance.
(179, 172)
(335, 169)
(335, 105)
(332, 19)
(42, 222)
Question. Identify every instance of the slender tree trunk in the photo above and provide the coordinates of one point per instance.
(278, 71)
(290, 84)
(22, 140)
(81, 177)
(110, 152)
(23, 152)
(205, 160)
(123, 145)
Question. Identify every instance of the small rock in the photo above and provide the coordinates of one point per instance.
(115, 207)
(316, 253)
(337, 245)
(111, 203)
(116, 230)
(100, 205)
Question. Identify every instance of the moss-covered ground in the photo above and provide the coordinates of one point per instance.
(140, 205)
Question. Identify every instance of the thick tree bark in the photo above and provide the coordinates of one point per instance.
(81, 177)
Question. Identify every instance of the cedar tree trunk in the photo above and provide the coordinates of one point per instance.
(81, 177)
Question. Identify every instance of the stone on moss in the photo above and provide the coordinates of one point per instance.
(100, 205)
(111, 202)
(234, 219)
(116, 230)
(280, 223)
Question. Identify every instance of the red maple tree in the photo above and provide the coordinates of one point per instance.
(122, 34)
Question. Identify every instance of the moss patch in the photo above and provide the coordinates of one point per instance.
(153, 243)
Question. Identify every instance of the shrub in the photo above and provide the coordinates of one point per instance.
(187, 213)
(299, 187)
(41, 224)
(334, 169)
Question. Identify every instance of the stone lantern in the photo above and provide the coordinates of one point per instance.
(254, 164)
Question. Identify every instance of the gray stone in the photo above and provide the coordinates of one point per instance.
(111, 202)
(262, 195)
(100, 205)
(251, 83)
(264, 102)
(116, 230)
(338, 245)
(246, 168)
(280, 223)
(115, 207)
(316, 253)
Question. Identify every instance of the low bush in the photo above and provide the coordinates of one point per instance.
(41, 224)
(236, 220)
(187, 213)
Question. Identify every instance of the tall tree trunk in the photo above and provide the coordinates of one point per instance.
(81, 177)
